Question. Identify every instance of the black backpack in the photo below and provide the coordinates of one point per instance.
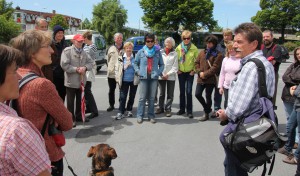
(255, 139)
(284, 52)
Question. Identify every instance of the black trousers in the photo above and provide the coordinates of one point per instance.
(60, 87)
(89, 98)
(71, 94)
(111, 93)
(58, 168)
(206, 104)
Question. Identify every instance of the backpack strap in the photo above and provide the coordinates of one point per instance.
(261, 77)
(273, 49)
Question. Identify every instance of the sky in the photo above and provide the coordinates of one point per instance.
(228, 13)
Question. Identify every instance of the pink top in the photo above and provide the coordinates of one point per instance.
(230, 66)
(23, 150)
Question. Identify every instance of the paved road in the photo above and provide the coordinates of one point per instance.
(175, 146)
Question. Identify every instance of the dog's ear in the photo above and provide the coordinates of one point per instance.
(91, 152)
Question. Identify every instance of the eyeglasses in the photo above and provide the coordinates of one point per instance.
(186, 38)
(149, 41)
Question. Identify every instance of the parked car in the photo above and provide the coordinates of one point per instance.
(99, 41)
(138, 43)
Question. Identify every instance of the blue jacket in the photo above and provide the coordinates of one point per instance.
(140, 65)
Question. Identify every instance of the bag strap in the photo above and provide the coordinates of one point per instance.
(45, 125)
(261, 77)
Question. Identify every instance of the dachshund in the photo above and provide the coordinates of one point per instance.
(102, 155)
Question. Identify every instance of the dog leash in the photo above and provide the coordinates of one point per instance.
(70, 168)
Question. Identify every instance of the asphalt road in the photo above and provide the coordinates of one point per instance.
(174, 146)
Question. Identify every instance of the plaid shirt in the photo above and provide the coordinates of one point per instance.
(243, 98)
(22, 148)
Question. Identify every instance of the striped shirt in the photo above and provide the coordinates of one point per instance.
(243, 98)
(91, 50)
(22, 148)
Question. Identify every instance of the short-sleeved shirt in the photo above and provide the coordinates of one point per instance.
(22, 148)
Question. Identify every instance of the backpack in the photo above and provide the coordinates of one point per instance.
(255, 139)
(284, 53)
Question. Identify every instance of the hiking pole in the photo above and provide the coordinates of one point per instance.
(71, 169)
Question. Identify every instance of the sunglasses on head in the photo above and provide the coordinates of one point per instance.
(186, 38)
(149, 41)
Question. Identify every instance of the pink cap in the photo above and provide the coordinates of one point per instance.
(78, 37)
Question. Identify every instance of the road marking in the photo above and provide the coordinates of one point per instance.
(101, 77)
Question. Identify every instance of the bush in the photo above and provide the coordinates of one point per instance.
(291, 46)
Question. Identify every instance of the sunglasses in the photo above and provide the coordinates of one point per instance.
(186, 38)
(149, 41)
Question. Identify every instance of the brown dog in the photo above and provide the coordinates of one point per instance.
(102, 155)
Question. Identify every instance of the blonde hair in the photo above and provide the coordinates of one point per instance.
(229, 46)
(227, 31)
(30, 42)
(128, 44)
(186, 33)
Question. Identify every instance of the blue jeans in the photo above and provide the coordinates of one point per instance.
(232, 168)
(147, 90)
(123, 96)
(217, 99)
(185, 89)
(294, 121)
(288, 108)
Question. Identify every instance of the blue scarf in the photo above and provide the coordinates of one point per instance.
(211, 52)
(149, 52)
(184, 50)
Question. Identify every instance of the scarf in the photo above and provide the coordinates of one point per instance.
(168, 50)
(128, 60)
(78, 50)
(184, 50)
(211, 52)
(149, 52)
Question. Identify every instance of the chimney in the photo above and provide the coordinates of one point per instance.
(53, 11)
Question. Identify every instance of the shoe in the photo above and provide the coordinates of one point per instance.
(155, 104)
(80, 120)
(74, 124)
(119, 116)
(180, 112)
(129, 114)
(168, 113)
(147, 103)
(159, 111)
(110, 108)
(139, 120)
(213, 114)
(93, 115)
(283, 151)
(291, 159)
(190, 115)
(295, 146)
(204, 117)
(152, 120)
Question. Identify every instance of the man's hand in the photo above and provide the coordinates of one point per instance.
(292, 90)
(221, 91)
(221, 115)
(81, 70)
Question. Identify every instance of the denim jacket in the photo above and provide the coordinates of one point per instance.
(140, 65)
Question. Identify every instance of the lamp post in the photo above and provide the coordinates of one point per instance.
(117, 19)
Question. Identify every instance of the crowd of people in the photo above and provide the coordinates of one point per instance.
(60, 71)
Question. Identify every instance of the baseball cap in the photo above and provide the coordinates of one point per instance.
(78, 37)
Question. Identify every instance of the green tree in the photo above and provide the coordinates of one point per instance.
(163, 15)
(217, 28)
(86, 24)
(59, 20)
(109, 17)
(278, 15)
(8, 27)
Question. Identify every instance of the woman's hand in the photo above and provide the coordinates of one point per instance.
(221, 91)
(179, 72)
(292, 90)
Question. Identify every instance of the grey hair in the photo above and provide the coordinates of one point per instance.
(117, 34)
(38, 20)
(170, 39)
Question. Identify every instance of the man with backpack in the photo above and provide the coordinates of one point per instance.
(273, 53)
(244, 94)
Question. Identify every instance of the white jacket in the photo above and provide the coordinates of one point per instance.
(171, 64)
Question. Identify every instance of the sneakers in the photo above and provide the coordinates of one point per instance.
(152, 120)
(93, 115)
(168, 113)
(283, 151)
(74, 124)
(110, 108)
(291, 159)
(129, 114)
(119, 116)
(190, 115)
(159, 111)
(180, 112)
(204, 117)
(147, 103)
(139, 120)
(213, 114)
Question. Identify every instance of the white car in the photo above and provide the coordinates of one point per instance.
(99, 41)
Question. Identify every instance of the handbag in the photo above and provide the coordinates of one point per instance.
(217, 77)
(56, 134)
